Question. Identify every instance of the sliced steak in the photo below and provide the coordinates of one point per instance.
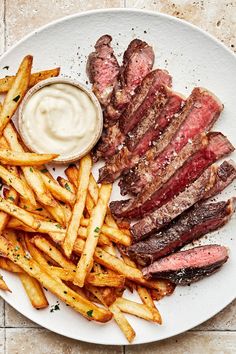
(103, 69)
(189, 266)
(158, 193)
(199, 114)
(226, 173)
(176, 206)
(137, 63)
(189, 226)
(149, 129)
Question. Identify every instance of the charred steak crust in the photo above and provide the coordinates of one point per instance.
(199, 114)
(159, 191)
(188, 266)
(183, 201)
(103, 69)
(138, 61)
(189, 226)
(151, 126)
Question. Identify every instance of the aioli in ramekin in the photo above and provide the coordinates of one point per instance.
(61, 118)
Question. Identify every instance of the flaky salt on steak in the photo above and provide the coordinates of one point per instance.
(189, 266)
(189, 226)
(103, 69)
(199, 114)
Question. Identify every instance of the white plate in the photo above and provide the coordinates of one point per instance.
(193, 58)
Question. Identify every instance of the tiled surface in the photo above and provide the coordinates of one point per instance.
(18, 334)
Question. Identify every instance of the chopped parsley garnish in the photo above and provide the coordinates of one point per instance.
(97, 229)
(31, 170)
(68, 187)
(6, 67)
(16, 99)
(90, 313)
(44, 170)
(17, 248)
(55, 307)
(58, 226)
(11, 198)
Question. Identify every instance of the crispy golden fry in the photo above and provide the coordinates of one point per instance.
(89, 204)
(148, 301)
(35, 253)
(72, 173)
(31, 174)
(54, 253)
(29, 219)
(57, 213)
(38, 209)
(70, 297)
(134, 308)
(74, 224)
(103, 240)
(123, 323)
(3, 285)
(8, 265)
(17, 158)
(93, 189)
(3, 142)
(7, 82)
(60, 193)
(13, 181)
(117, 265)
(16, 92)
(104, 295)
(32, 287)
(110, 221)
(66, 184)
(12, 196)
(34, 291)
(97, 218)
(95, 279)
(116, 235)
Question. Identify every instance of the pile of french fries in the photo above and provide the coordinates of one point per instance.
(59, 234)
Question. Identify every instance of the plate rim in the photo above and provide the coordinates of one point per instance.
(115, 10)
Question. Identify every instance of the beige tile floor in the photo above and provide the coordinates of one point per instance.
(18, 335)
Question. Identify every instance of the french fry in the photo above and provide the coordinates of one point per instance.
(7, 82)
(103, 295)
(34, 291)
(31, 174)
(89, 204)
(103, 240)
(3, 285)
(12, 196)
(70, 297)
(57, 191)
(72, 173)
(74, 224)
(16, 92)
(16, 158)
(48, 248)
(123, 323)
(134, 308)
(32, 287)
(97, 218)
(148, 301)
(29, 219)
(93, 189)
(117, 265)
(35, 253)
(8, 265)
(66, 184)
(38, 209)
(57, 212)
(13, 181)
(116, 235)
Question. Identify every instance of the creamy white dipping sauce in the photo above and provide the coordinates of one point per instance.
(59, 118)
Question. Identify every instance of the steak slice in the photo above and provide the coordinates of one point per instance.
(138, 61)
(103, 69)
(176, 206)
(161, 190)
(226, 173)
(189, 226)
(151, 126)
(199, 114)
(189, 266)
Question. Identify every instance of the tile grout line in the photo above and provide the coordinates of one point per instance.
(4, 323)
